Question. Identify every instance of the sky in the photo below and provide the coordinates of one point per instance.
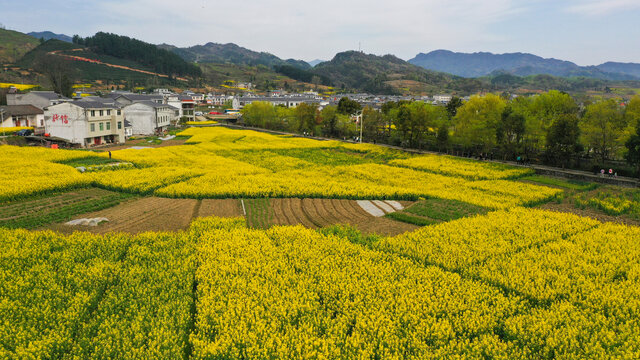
(587, 32)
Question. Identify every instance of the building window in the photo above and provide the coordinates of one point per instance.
(108, 112)
(101, 126)
(93, 127)
(119, 113)
(119, 125)
(93, 113)
(108, 126)
(101, 113)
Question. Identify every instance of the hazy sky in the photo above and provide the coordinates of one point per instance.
(587, 32)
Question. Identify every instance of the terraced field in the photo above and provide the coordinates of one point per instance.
(318, 213)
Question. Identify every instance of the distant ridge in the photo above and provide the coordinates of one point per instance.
(522, 64)
(231, 54)
(315, 62)
(48, 35)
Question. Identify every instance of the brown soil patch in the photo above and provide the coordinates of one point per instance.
(146, 214)
(220, 208)
(276, 207)
(315, 213)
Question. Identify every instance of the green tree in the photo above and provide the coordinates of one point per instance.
(452, 106)
(417, 121)
(347, 106)
(476, 122)
(633, 150)
(374, 123)
(330, 121)
(260, 114)
(306, 116)
(544, 110)
(510, 131)
(603, 128)
(563, 140)
(631, 117)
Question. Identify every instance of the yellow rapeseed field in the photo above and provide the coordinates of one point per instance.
(516, 283)
(525, 284)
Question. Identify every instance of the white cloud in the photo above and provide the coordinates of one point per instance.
(601, 7)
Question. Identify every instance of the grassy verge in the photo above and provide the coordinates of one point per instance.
(89, 161)
(432, 211)
(567, 184)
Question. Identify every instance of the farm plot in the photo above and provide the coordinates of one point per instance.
(318, 213)
(32, 212)
(147, 214)
(220, 208)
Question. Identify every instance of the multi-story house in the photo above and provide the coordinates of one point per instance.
(148, 117)
(85, 123)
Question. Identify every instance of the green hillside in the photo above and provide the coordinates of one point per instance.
(81, 71)
(13, 45)
(389, 74)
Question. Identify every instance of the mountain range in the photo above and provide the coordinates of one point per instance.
(48, 35)
(437, 71)
(480, 64)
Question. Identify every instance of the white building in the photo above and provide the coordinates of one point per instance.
(148, 118)
(442, 98)
(286, 101)
(86, 123)
(22, 116)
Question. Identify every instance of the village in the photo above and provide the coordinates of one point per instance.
(90, 120)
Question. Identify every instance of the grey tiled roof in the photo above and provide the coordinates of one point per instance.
(17, 110)
(93, 105)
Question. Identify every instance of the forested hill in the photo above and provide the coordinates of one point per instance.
(387, 74)
(149, 55)
(231, 54)
(521, 64)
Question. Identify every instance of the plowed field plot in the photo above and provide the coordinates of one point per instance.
(147, 214)
(33, 212)
(220, 208)
(317, 213)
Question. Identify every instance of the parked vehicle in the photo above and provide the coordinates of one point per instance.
(24, 132)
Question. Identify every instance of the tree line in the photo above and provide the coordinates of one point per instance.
(550, 128)
(160, 60)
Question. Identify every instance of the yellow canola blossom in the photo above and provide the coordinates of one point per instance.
(20, 87)
(290, 292)
(459, 244)
(141, 181)
(14, 129)
(208, 122)
(471, 169)
(588, 268)
(466, 289)
(26, 171)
